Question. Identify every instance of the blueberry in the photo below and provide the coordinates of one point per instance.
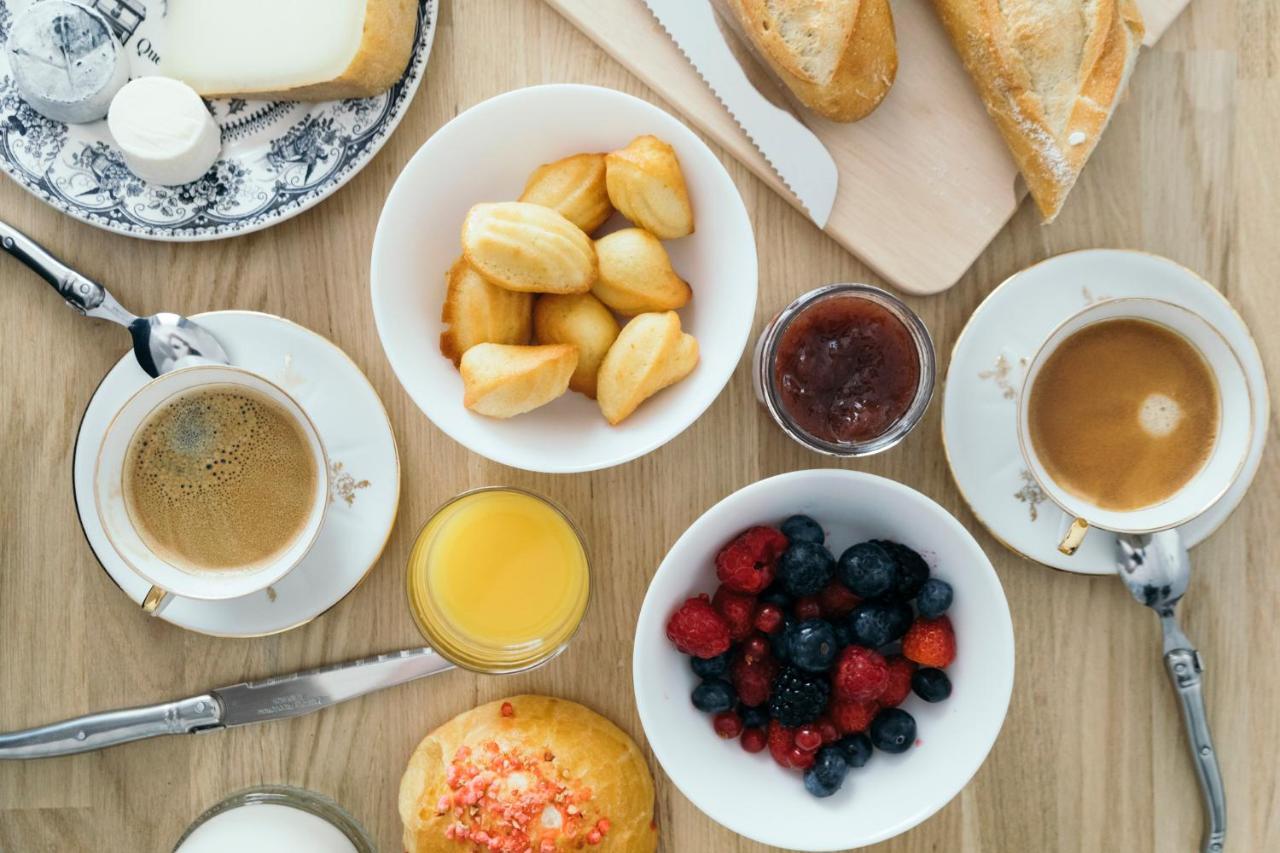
(802, 528)
(879, 623)
(844, 634)
(710, 667)
(931, 685)
(893, 730)
(856, 748)
(754, 718)
(912, 571)
(774, 594)
(780, 640)
(714, 695)
(805, 568)
(827, 774)
(934, 598)
(811, 645)
(867, 569)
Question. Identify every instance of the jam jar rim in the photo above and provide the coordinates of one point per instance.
(766, 358)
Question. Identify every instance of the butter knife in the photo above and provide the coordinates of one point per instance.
(250, 702)
(800, 159)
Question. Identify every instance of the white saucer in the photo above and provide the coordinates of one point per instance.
(363, 463)
(979, 404)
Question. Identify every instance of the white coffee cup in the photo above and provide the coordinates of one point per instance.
(1230, 447)
(166, 578)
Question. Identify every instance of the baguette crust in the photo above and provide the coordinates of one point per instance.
(385, 47)
(860, 79)
(1050, 134)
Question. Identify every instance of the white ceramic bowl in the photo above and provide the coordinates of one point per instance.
(752, 795)
(486, 154)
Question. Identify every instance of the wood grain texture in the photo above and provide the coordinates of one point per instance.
(929, 147)
(1091, 757)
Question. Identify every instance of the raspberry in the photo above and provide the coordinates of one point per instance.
(749, 562)
(696, 629)
(807, 608)
(798, 697)
(768, 618)
(827, 728)
(727, 724)
(808, 738)
(851, 717)
(837, 601)
(930, 642)
(781, 741)
(738, 610)
(861, 673)
(753, 740)
(753, 679)
(899, 686)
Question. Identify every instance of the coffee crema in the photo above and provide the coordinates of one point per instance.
(219, 478)
(1124, 413)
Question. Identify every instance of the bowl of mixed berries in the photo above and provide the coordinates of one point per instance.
(823, 660)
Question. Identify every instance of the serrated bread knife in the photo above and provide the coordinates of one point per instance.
(801, 161)
(251, 702)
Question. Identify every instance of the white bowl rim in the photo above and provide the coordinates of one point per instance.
(736, 208)
(647, 620)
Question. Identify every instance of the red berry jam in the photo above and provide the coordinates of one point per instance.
(846, 369)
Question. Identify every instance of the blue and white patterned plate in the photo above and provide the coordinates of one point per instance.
(278, 157)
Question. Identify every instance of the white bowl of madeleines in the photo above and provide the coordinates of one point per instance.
(564, 278)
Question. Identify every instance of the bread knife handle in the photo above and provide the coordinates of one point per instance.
(109, 728)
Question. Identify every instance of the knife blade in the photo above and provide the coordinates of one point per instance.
(791, 149)
(276, 698)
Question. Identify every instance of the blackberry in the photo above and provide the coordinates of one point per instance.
(879, 623)
(710, 667)
(934, 598)
(827, 774)
(802, 528)
(893, 730)
(867, 569)
(811, 645)
(805, 568)
(857, 749)
(798, 697)
(754, 718)
(931, 685)
(912, 571)
(714, 695)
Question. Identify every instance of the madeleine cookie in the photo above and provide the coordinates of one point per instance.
(574, 188)
(651, 353)
(476, 311)
(583, 321)
(636, 274)
(529, 248)
(504, 381)
(645, 183)
(528, 773)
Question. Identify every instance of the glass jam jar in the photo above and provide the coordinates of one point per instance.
(846, 370)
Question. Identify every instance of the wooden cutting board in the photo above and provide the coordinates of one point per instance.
(925, 181)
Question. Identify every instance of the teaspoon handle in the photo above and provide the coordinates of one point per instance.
(1185, 671)
(81, 293)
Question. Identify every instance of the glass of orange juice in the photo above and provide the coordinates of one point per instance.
(499, 580)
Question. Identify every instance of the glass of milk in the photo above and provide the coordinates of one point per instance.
(275, 818)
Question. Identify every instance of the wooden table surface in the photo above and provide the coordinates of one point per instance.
(1092, 755)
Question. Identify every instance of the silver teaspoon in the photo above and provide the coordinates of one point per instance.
(1156, 569)
(160, 341)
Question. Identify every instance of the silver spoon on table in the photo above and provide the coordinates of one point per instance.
(1156, 569)
(160, 341)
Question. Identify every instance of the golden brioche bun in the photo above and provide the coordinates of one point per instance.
(477, 311)
(534, 773)
(636, 275)
(645, 183)
(528, 247)
(583, 321)
(573, 187)
(651, 353)
(503, 381)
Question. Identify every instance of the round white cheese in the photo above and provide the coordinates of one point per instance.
(164, 130)
(66, 62)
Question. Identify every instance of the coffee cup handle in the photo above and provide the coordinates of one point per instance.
(1073, 538)
(156, 601)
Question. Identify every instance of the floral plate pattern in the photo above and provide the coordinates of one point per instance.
(278, 157)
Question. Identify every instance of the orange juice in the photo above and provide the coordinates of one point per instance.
(498, 580)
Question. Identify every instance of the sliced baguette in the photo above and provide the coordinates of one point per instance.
(1051, 73)
(838, 57)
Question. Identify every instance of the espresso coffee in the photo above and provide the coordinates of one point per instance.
(219, 478)
(1124, 413)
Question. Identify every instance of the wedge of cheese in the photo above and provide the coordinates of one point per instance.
(305, 50)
